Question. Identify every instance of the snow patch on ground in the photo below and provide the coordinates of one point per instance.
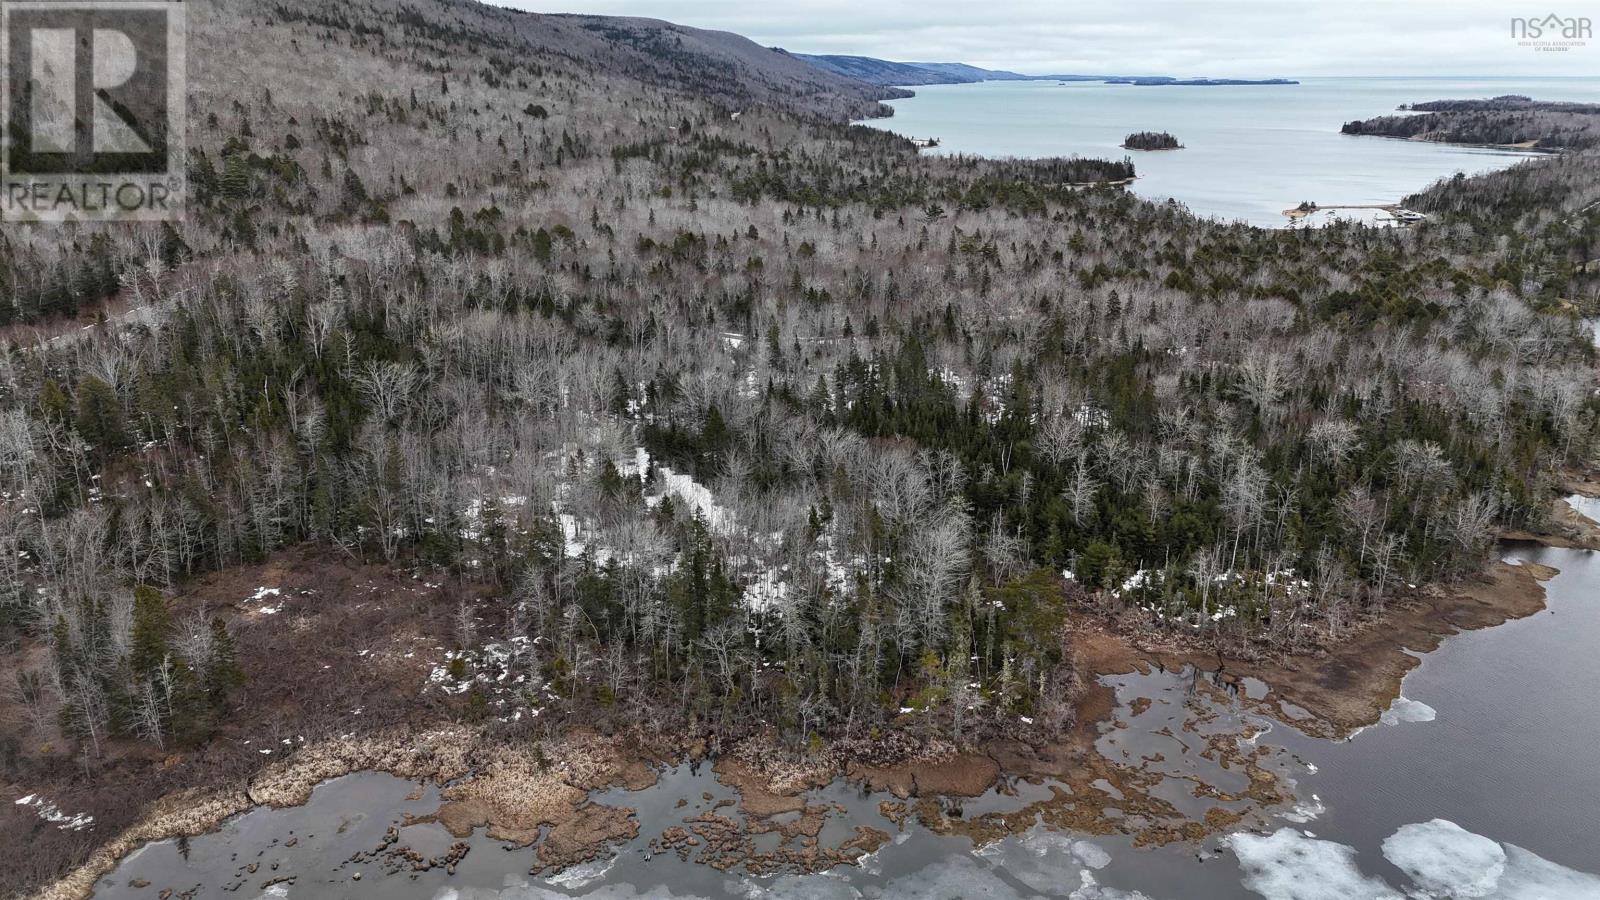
(767, 592)
(698, 497)
(502, 673)
(573, 542)
(261, 596)
(472, 523)
(51, 813)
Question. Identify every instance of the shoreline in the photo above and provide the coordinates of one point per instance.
(1348, 686)
(1123, 182)
(538, 794)
(1525, 147)
(1396, 211)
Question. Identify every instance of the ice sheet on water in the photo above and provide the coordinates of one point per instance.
(957, 878)
(1091, 855)
(1050, 862)
(520, 889)
(1304, 811)
(582, 876)
(1448, 861)
(1532, 877)
(1289, 865)
(1404, 709)
(826, 886)
(1588, 507)
(1045, 852)
(1442, 860)
(1445, 859)
(1090, 889)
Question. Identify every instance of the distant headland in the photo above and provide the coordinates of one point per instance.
(1163, 81)
(1510, 120)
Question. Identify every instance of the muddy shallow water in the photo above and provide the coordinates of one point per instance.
(1483, 780)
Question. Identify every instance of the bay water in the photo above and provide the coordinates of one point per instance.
(1250, 152)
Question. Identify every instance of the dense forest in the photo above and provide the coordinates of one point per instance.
(739, 419)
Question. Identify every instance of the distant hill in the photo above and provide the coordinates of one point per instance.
(971, 73)
(720, 65)
(907, 74)
(711, 63)
(885, 72)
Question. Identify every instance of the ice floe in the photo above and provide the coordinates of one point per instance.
(1442, 861)
(1050, 862)
(1304, 811)
(1406, 710)
(584, 875)
(1290, 865)
(520, 889)
(1446, 860)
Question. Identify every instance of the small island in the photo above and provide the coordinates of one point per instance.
(1151, 140)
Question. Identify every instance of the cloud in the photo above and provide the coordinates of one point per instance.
(1241, 38)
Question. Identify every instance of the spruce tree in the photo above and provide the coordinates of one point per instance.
(99, 417)
(151, 625)
(235, 177)
(222, 673)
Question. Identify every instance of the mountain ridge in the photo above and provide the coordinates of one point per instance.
(723, 66)
(909, 74)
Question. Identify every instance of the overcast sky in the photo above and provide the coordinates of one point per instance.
(1247, 38)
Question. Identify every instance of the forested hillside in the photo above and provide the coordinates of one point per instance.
(728, 421)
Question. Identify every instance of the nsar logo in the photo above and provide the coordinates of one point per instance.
(1552, 32)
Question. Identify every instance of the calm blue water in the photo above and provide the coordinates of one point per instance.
(1249, 152)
